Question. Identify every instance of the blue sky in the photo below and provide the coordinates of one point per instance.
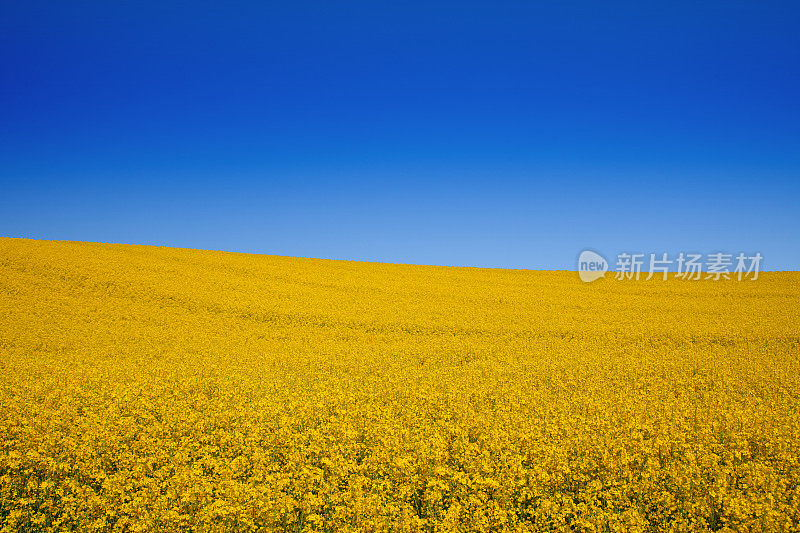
(485, 134)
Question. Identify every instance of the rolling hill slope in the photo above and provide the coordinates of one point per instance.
(146, 388)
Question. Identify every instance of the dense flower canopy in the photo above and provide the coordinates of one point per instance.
(146, 388)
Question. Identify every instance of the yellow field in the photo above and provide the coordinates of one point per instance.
(146, 388)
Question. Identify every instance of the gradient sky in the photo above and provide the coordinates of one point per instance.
(484, 134)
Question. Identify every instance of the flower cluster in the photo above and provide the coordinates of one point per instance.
(158, 389)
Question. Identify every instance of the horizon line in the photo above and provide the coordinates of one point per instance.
(176, 247)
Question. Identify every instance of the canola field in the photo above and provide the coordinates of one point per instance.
(159, 389)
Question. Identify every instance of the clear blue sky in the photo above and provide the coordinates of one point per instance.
(487, 134)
